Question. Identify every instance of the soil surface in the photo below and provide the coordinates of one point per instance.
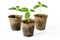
(26, 21)
(40, 15)
(14, 16)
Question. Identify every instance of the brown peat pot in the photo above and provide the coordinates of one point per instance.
(15, 21)
(28, 27)
(40, 20)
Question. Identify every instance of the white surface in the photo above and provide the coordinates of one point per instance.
(52, 31)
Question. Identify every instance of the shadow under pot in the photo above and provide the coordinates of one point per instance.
(40, 21)
(28, 28)
(15, 22)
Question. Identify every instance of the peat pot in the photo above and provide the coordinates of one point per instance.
(40, 20)
(15, 21)
(28, 27)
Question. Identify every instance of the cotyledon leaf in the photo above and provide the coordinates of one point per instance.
(27, 16)
(39, 2)
(12, 8)
(36, 6)
(43, 5)
(24, 9)
(32, 10)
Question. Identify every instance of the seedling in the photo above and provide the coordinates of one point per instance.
(15, 8)
(39, 5)
(27, 12)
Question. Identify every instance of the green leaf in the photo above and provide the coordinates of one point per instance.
(36, 6)
(19, 9)
(24, 9)
(39, 2)
(43, 5)
(31, 10)
(27, 16)
(13, 8)
(17, 6)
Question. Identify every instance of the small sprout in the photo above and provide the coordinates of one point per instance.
(15, 8)
(39, 5)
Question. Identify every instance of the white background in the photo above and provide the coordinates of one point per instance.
(52, 31)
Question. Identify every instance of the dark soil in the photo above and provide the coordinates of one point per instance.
(14, 16)
(40, 15)
(26, 21)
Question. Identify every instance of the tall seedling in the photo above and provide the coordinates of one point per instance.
(27, 12)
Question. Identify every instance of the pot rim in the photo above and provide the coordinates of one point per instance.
(27, 20)
(14, 15)
(41, 15)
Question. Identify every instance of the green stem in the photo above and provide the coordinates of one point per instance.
(16, 13)
(28, 19)
(40, 11)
